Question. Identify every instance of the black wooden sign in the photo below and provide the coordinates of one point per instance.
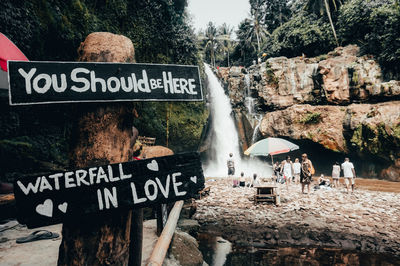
(51, 198)
(62, 82)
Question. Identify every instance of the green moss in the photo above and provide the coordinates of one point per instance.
(270, 76)
(380, 140)
(311, 118)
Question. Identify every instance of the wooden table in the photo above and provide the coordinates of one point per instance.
(265, 193)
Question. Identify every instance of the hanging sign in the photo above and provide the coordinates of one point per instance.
(51, 198)
(63, 82)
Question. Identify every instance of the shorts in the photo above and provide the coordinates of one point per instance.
(231, 171)
(347, 180)
(242, 184)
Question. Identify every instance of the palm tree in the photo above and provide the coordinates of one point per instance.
(211, 42)
(224, 37)
(257, 28)
(320, 7)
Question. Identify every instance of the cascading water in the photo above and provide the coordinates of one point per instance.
(225, 138)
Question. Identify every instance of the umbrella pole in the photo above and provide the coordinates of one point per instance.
(272, 159)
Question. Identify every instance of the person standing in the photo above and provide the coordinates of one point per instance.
(231, 169)
(349, 174)
(336, 174)
(296, 171)
(306, 172)
(287, 170)
(242, 180)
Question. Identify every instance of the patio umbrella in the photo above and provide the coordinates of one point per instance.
(271, 146)
(8, 51)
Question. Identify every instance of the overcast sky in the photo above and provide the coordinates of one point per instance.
(218, 11)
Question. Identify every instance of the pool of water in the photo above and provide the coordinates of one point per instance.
(218, 251)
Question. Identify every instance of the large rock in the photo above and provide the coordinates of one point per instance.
(106, 47)
(340, 77)
(362, 129)
(316, 123)
(393, 172)
(155, 151)
(185, 249)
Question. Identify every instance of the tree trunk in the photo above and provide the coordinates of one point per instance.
(102, 135)
(328, 12)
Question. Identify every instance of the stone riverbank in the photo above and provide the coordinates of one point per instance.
(365, 221)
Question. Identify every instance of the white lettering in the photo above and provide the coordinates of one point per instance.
(101, 175)
(63, 85)
(74, 78)
(177, 184)
(45, 184)
(168, 82)
(26, 190)
(147, 191)
(80, 177)
(136, 200)
(94, 80)
(108, 197)
(176, 85)
(143, 84)
(128, 88)
(100, 200)
(68, 180)
(192, 86)
(121, 173)
(46, 85)
(92, 174)
(183, 85)
(164, 190)
(27, 77)
(117, 84)
(111, 174)
(56, 181)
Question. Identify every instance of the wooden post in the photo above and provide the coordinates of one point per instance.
(103, 134)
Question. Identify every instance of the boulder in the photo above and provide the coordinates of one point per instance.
(106, 47)
(185, 249)
(392, 173)
(155, 151)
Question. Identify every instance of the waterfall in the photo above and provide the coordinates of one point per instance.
(225, 138)
(256, 131)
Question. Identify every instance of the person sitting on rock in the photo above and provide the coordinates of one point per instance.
(242, 180)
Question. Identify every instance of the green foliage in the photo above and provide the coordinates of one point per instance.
(311, 118)
(302, 34)
(53, 30)
(186, 121)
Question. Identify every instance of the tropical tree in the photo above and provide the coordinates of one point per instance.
(209, 38)
(257, 28)
(224, 37)
(320, 7)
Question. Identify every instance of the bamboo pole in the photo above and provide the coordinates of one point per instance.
(162, 245)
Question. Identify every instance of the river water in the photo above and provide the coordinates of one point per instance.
(218, 251)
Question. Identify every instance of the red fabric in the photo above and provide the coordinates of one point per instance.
(9, 51)
(136, 158)
(281, 151)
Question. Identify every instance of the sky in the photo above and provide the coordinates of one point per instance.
(218, 11)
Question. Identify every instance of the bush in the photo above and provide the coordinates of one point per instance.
(302, 34)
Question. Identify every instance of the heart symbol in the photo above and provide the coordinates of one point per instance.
(153, 166)
(194, 179)
(45, 209)
(63, 207)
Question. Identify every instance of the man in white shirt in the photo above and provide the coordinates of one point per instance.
(349, 174)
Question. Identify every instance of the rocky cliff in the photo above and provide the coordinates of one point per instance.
(337, 102)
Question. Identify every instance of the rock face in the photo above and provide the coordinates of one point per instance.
(366, 124)
(324, 100)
